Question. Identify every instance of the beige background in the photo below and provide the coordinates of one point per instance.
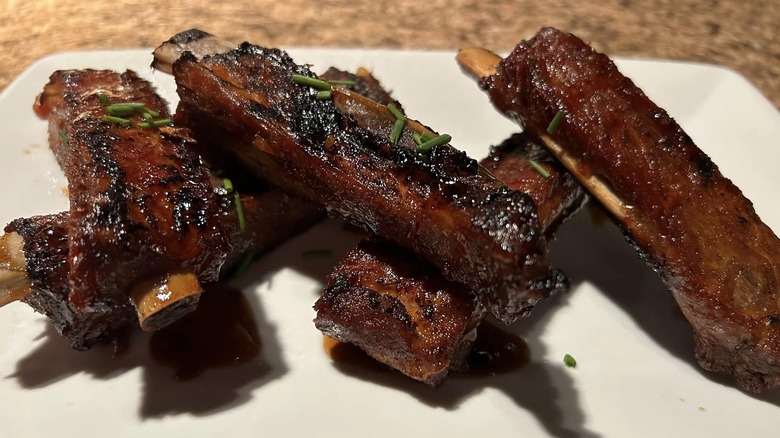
(740, 34)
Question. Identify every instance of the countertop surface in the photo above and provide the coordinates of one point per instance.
(741, 35)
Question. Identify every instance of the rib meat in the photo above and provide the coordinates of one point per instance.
(124, 235)
(401, 311)
(440, 206)
(682, 215)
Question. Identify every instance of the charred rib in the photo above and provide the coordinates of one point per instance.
(685, 218)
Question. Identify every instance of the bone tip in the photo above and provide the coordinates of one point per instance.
(477, 61)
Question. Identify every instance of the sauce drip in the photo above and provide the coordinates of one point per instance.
(495, 351)
(220, 332)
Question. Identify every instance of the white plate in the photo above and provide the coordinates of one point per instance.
(636, 375)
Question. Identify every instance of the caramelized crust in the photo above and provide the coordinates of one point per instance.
(140, 202)
(683, 216)
(401, 311)
(466, 224)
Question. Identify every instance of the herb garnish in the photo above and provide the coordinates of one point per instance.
(325, 89)
(63, 136)
(245, 262)
(400, 122)
(542, 171)
(426, 146)
(569, 361)
(228, 185)
(555, 122)
(118, 113)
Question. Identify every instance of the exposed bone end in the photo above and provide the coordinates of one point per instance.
(162, 300)
(195, 41)
(481, 63)
(14, 284)
(477, 61)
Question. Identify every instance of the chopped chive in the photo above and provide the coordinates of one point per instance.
(312, 82)
(398, 129)
(569, 361)
(103, 99)
(227, 184)
(421, 138)
(324, 94)
(542, 171)
(426, 146)
(556, 121)
(117, 120)
(317, 253)
(343, 82)
(63, 136)
(240, 211)
(395, 111)
(244, 265)
(125, 109)
(147, 116)
(156, 123)
(151, 112)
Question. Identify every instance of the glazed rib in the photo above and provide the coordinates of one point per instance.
(441, 206)
(140, 203)
(401, 311)
(682, 215)
(148, 210)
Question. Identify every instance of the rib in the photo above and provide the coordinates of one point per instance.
(39, 248)
(440, 206)
(141, 206)
(150, 216)
(401, 311)
(689, 222)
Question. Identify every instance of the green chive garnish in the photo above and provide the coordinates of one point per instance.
(118, 120)
(421, 138)
(156, 123)
(63, 136)
(343, 82)
(317, 253)
(426, 146)
(324, 94)
(398, 129)
(245, 262)
(396, 112)
(400, 122)
(569, 361)
(542, 171)
(240, 211)
(103, 99)
(228, 185)
(311, 82)
(125, 109)
(553, 126)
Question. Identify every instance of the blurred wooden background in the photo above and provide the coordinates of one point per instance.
(741, 35)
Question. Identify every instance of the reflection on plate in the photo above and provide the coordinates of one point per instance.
(636, 375)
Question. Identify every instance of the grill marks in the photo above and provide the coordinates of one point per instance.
(465, 223)
(141, 204)
(401, 311)
(689, 221)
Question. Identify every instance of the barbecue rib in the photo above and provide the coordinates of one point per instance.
(190, 226)
(401, 311)
(686, 219)
(440, 205)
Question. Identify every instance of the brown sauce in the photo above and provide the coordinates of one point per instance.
(495, 351)
(220, 332)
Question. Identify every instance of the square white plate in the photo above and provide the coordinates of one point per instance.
(636, 375)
